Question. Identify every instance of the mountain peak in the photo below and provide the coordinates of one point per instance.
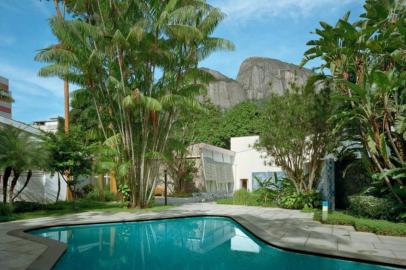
(257, 79)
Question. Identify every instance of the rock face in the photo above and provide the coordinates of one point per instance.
(225, 92)
(257, 79)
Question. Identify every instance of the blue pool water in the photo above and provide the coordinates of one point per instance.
(206, 243)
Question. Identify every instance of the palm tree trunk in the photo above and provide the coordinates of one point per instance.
(113, 182)
(100, 184)
(66, 96)
(27, 180)
(59, 187)
(13, 185)
(6, 176)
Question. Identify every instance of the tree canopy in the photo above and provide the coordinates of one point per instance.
(138, 62)
(365, 60)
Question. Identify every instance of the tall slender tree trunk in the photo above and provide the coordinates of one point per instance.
(113, 183)
(59, 187)
(27, 180)
(66, 97)
(100, 184)
(13, 185)
(6, 176)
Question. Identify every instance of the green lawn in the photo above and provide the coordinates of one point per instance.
(248, 202)
(64, 208)
(364, 224)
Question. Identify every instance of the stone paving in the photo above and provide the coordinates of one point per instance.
(291, 229)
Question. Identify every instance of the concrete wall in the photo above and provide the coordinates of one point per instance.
(42, 188)
(249, 160)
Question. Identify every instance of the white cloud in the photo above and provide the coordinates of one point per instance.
(26, 81)
(6, 41)
(243, 10)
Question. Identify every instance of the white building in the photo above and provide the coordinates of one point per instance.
(43, 186)
(250, 163)
(50, 125)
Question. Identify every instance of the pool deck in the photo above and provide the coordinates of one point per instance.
(289, 229)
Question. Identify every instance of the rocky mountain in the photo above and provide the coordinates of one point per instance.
(257, 79)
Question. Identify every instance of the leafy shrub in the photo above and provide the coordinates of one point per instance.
(266, 196)
(58, 205)
(373, 207)
(21, 207)
(362, 224)
(304, 200)
(243, 197)
(110, 197)
(353, 176)
(87, 189)
(5, 210)
(124, 190)
(93, 196)
(107, 196)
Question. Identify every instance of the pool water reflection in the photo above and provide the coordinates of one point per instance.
(184, 243)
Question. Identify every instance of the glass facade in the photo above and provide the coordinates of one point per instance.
(218, 171)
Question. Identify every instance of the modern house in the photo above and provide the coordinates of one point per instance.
(215, 168)
(251, 164)
(223, 171)
(50, 125)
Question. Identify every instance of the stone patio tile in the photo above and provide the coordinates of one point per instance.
(321, 243)
(294, 241)
(364, 236)
(291, 228)
(342, 234)
(396, 246)
(344, 227)
(400, 254)
(327, 229)
(355, 246)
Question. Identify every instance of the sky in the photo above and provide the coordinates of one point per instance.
(267, 28)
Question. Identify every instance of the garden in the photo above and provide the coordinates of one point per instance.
(137, 107)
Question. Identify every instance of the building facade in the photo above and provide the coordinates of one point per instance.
(5, 98)
(43, 186)
(215, 168)
(251, 164)
(50, 125)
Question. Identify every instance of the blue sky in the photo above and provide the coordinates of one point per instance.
(269, 28)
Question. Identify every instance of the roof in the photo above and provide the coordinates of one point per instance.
(212, 147)
(20, 125)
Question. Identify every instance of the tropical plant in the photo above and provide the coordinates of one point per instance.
(216, 126)
(20, 152)
(125, 192)
(69, 157)
(366, 61)
(180, 167)
(298, 135)
(373, 207)
(138, 60)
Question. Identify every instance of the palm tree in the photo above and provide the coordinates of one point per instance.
(61, 14)
(19, 152)
(366, 60)
(114, 50)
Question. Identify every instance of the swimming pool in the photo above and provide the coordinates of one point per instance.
(214, 243)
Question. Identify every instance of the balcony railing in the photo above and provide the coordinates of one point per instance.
(6, 96)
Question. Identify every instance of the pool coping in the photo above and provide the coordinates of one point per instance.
(55, 249)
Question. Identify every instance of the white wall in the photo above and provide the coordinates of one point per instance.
(42, 188)
(248, 160)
